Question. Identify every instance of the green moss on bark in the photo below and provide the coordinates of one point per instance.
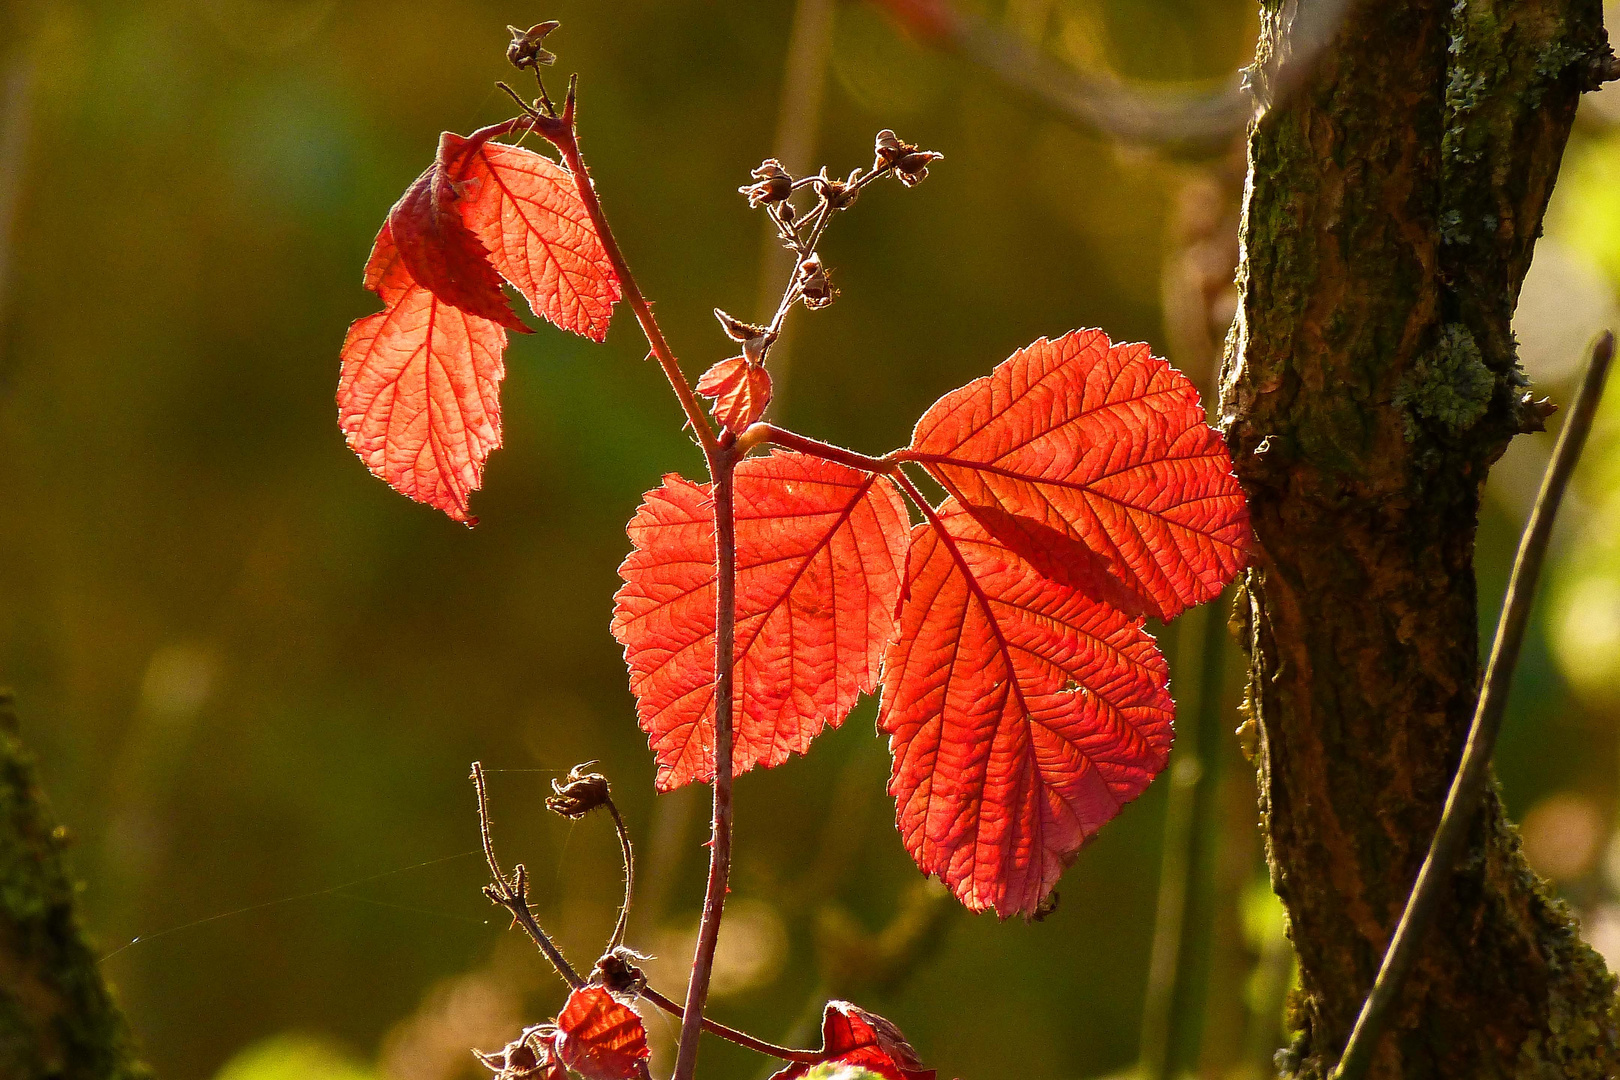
(58, 1019)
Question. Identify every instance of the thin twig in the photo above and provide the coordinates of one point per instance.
(791, 440)
(1473, 773)
(731, 1034)
(512, 893)
(723, 471)
(629, 876)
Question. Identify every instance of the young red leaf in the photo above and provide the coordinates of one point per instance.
(525, 208)
(438, 248)
(820, 549)
(852, 1036)
(1021, 716)
(600, 1037)
(740, 391)
(1095, 463)
(418, 395)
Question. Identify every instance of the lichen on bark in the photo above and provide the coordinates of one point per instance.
(58, 1019)
(1370, 381)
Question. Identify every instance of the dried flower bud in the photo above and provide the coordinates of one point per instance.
(620, 971)
(530, 1056)
(578, 793)
(814, 285)
(755, 339)
(839, 194)
(773, 184)
(909, 163)
(525, 51)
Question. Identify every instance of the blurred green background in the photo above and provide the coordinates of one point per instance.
(255, 676)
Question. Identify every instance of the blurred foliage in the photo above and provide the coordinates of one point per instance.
(255, 676)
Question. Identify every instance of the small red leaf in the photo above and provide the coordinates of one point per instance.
(820, 548)
(439, 250)
(525, 208)
(600, 1037)
(419, 392)
(740, 391)
(1094, 462)
(852, 1036)
(1021, 716)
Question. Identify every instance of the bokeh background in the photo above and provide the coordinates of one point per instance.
(255, 677)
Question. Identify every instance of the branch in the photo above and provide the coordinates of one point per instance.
(1474, 770)
(512, 893)
(758, 434)
(731, 1034)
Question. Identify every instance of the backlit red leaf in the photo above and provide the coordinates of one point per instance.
(1021, 714)
(526, 210)
(852, 1036)
(440, 251)
(600, 1037)
(820, 550)
(418, 394)
(740, 391)
(1094, 461)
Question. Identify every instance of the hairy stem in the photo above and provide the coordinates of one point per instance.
(770, 433)
(1473, 773)
(629, 876)
(731, 1034)
(724, 464)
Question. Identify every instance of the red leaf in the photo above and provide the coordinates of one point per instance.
(525, 208)
(439, 250)
(1021, 716)
(819, 553)
(418, 396)
(600, 1037)
(852, 1036)
(740, 391)
(1094, 462)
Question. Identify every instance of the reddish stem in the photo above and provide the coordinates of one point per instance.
(770, 433)
(731, 1034)
(723, 468)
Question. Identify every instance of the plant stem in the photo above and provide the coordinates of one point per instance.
(770, 433)
(723, 468)
(1473, 773)
(731, 1034)
(629, 877)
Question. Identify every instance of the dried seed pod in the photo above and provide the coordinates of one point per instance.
(773, 184)
(578, 793)
(620, 971)
(814, 285)
(909, 163)
(530, 1056)
(525, 51)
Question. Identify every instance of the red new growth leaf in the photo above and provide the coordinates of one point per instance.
(418, 395)
(600, 1037)
(820, 549)
(1021, 716)
(740, 391)
(526, 209)
(853, 1036)
(1094, 462)
(439, 250)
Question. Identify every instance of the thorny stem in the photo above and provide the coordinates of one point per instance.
(1473, 773)
(512, 893)
(629, 876)
(731, 1034)
(723, 468)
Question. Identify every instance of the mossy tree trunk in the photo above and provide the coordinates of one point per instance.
(58, 1020)
(1371, 380)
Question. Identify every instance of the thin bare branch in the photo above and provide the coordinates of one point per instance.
(731, 1034)
(1473, 773)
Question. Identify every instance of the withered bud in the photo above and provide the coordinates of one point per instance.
(784, 213)
(755, 339)
(620, 971)
(578, 793)
(1047, 905)
(773, 184)
(1533, 412)
(525, 51)
(530, 1056)
(818, 291)
(909, 163)
(839, 193)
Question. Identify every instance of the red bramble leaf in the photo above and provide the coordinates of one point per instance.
(820, 549)
(740, 391)
(1021, 714)
(419, 392)
(526, 210)
(439, 250)
(600, 1037)
(1094, 462)
(852, 1036)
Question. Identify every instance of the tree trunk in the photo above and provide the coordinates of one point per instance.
(58, 1020)
(1393, 203)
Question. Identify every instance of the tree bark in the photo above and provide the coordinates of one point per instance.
(58, 1020)
(1392, 207)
